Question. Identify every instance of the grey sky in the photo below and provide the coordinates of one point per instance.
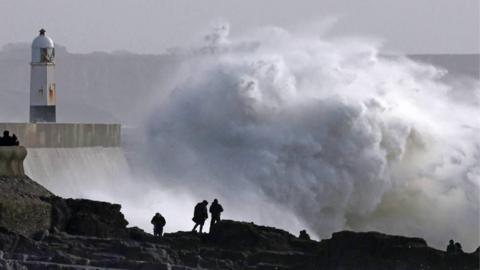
(150, 26)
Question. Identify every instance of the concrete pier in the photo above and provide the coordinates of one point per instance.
(65, 135)
(71, 159)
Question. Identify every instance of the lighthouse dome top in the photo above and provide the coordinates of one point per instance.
(42, 41)
(43, 49)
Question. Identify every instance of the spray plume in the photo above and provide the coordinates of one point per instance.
(300, 131)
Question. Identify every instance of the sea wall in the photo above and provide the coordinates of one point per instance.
(54, 135)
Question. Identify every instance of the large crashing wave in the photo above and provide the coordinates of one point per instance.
(324, 134)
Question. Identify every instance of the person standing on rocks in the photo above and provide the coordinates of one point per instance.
(6, 140)
(458, 248)
(216, 210)
(15, 141)
(158, 222)
(200, 214)
(451, 247)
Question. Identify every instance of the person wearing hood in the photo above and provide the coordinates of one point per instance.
(200, 214)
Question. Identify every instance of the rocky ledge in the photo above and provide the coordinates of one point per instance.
(86, 234)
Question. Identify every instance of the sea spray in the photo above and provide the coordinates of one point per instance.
(321, 133)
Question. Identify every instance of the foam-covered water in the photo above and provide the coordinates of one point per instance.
(78, 172)
(301, 131)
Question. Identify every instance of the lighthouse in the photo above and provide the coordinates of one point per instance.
(42, 81)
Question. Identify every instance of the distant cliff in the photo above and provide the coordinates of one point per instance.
(84, 234)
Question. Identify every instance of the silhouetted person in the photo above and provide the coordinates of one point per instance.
(5, 138)
(158, 222)
(200, 214)
(15, 141)
(216, 210)
(451, 248)
(458, 248)
(451, 252)
(8, 140)
(304, 235)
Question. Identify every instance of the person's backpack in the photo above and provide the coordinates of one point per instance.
(158, 221)
(162, 221)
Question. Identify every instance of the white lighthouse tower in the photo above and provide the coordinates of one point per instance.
(42, 81)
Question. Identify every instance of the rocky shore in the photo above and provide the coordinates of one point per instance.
(85, 234)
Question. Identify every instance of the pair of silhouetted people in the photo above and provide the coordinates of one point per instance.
(453, 252)
(7, 140)
(158, 222)
(454, 248)
(304, 235)
(200, 214)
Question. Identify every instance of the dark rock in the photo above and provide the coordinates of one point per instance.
(248, 235)
(184, 240)
(345, 250)
(87, 234)
(39, 236)
(11, 265)
(89, 218)
(373, 250)
(138, 234)
(22, 208)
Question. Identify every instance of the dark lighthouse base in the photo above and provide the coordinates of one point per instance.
(42, 114)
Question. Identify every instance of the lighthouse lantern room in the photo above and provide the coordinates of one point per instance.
(42, 81)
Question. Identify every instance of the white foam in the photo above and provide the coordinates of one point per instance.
(324, 133)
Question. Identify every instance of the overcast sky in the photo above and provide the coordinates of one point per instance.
(151, 26)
